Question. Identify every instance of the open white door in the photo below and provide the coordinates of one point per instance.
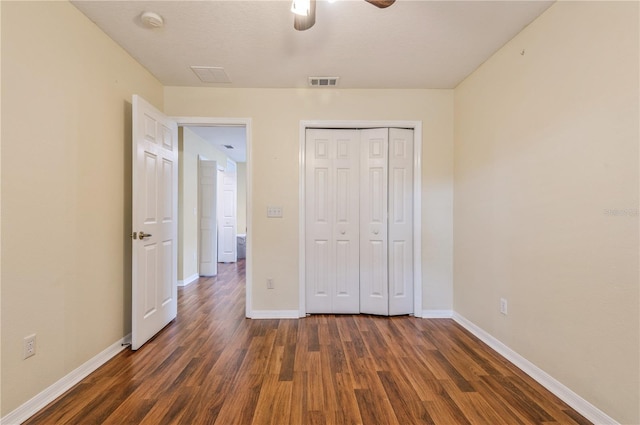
(208, 237)
(227, 215)
(155, 224)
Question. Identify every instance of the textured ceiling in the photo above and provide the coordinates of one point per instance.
(412, 44)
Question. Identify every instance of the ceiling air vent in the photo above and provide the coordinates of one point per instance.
(211, 74)
(323, 81)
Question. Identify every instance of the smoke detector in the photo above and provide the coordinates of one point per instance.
(152, 20)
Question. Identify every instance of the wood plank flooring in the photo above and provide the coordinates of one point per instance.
(213, 366)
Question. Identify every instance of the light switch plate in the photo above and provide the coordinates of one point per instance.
(274, 212)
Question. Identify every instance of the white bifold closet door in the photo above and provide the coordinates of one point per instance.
(373, 193)
(331, 204)
(386, 221)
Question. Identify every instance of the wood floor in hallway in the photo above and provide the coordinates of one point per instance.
(214, 366)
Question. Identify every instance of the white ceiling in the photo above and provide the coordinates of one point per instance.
(412, 44)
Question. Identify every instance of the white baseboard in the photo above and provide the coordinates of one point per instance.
(579, 404)
(437, 314)
(33, 406)
(275, 314)
(188, 280)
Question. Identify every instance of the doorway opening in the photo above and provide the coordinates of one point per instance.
(214, 151)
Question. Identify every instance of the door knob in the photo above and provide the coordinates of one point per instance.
(143, 235)
(342, 232)
(375, 232)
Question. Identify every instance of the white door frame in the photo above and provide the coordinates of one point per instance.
(417, 201)
(212, 122)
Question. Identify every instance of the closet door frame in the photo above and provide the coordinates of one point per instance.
(417, 200)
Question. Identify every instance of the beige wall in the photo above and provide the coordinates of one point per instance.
(276, 115)
(191, 146)
(66, 200)
(546, 199)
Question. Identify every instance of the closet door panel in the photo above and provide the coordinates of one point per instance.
(374, 294)
(331, 247)
(346, 298)
(400, 221)
(318, 246)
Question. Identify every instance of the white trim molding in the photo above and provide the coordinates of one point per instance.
(188, 280)
(39, 401)
(437, 314)
(275, 314)
(579, 404)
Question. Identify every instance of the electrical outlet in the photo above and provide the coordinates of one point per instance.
(29, 346)
(269, 283)
(503, 306)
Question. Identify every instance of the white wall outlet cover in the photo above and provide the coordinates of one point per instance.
(503, 306)
(29, 346)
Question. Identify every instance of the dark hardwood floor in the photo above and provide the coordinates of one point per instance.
(213, 366)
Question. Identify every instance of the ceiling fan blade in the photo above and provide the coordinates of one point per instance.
(302, 23)
(381, 3)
